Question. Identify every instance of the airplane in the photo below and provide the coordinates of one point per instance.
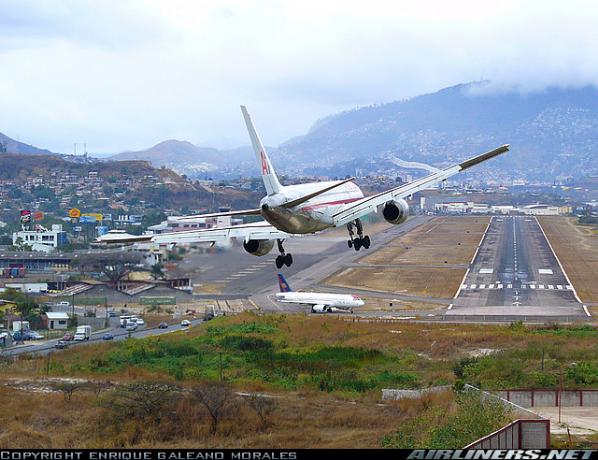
(292, 210)
(320, 302)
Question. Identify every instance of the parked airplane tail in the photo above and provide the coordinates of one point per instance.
(268, 174)
(283, 285)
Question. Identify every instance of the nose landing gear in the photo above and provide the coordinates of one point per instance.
(361, 241)
(283, 258)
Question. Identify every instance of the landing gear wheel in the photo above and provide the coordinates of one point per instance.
(366, 242)
(350, 243)
(357, 244)
(279, 262)
(288, 260)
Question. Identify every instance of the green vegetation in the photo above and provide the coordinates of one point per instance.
(442, 426)
(329, 355)
(255, 352)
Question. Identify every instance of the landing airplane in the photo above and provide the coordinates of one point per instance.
(290, 210)
(320, 302)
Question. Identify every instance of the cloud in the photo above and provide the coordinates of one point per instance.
(126, 74)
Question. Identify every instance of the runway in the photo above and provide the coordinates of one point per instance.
(515, 274)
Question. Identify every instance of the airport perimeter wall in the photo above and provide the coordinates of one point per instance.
(520, 434)
(551, 398)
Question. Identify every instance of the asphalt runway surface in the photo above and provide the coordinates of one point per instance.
(239, 274)
(516, 274)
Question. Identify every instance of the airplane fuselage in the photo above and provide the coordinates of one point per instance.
(311, 216)
(344, 301)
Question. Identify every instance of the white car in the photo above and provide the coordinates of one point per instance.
(140, 322)
(185, 323)
(131, 326)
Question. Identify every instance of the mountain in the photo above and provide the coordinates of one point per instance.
(187, 158)
(8, 145)
(553, 132)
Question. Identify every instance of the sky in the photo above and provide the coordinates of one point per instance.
(126, 74)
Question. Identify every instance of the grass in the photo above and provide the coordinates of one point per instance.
(428, 261)
(325, 374)
(577, 249)
(339, 355)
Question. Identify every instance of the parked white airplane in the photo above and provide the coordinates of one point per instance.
(320, 302)
(303, 208)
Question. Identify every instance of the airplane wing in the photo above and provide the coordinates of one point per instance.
(253, 231)
(241, 212)
(369, 204)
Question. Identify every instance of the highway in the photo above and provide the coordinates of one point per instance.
(515, 273)
(48, 346)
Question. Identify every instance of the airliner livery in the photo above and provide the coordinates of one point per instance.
(290, 210)
(319, 302)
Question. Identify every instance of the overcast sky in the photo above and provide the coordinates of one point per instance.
(126, 74)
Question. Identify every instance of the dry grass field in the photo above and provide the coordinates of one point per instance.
(428, 261)
(577, 248)
(321, 374)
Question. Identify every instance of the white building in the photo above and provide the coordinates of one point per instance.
(41, 239)
(57, 320)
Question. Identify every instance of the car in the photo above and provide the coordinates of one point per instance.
(185, 323)
(112, 314)
(61, 344)
(35, 335)
(131, 327)
(140, 322)
(163, 325)
(108, 336)
(68, 337)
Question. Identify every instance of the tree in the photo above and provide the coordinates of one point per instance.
(218, 399)
(156, 271)
(115, 266)
(68, 388)
(147, 401)
(263, 407)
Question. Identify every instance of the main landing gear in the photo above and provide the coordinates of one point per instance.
(361, 241)
(283, 259)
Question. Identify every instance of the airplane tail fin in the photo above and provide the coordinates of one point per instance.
(268, 174)
(283, 285)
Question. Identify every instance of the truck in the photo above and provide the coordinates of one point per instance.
(83, 333)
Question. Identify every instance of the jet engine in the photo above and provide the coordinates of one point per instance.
(396, 212)
(318, 308)
(258, 247)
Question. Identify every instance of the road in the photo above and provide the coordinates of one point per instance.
(515, 273)
(47, 346)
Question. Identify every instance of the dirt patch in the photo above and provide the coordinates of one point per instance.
(429, 261)
(431, 282)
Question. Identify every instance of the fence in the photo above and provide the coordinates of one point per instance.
(551, 398)
(520, 434)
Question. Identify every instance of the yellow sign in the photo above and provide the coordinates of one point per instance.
(74, 213)
(99, 216)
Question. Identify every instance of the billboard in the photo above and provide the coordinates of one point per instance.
(74, 213)
(98, 216)
(25, 216)
(87, 220)
(157, 300)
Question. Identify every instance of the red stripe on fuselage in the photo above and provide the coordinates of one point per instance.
(329, 203)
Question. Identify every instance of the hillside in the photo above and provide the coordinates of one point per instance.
(53, 184)
(9, 145)
(191, 160)
(553, 132)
